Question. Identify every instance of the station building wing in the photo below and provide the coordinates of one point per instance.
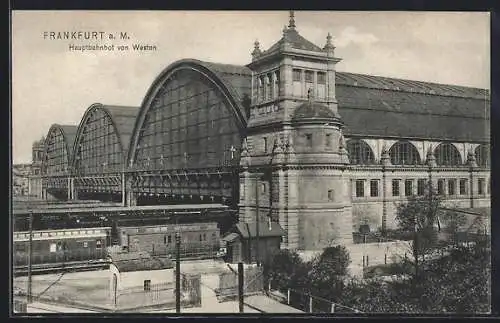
(373, 106)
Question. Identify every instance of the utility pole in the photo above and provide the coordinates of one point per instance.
(177, 272)
(240, 286)
(257, 253)
(30, 254)
(124, 196)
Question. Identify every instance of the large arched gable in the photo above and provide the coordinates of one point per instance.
(121, 120)
(58, 146)
(232, 83)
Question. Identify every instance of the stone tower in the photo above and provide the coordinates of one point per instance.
(35, 176)
(294, 158)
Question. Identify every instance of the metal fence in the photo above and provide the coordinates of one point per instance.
(253, 283)
(305, 301)
(187, 250)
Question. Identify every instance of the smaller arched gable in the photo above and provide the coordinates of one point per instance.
(404, 153)
(482, 154)
(360, 153)
(57, 153)
(104, 132)
(447, 155)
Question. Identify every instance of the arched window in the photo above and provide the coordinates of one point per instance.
(269, 84)
(260, 90)
(360, 153)
(447, 155)
(482, 153)
(276, 84)
(404, 153)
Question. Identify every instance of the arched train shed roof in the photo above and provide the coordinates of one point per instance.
(234, 82)
(69, 134)
(122, 117)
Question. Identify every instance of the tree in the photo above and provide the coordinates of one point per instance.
(285, 269)
(328, 273)
(420, 216)
(454, 222)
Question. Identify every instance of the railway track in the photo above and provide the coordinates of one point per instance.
(59, 267)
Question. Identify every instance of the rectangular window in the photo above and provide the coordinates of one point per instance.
(265, 144)
(296, 75)
(309, 139)
(309, 76)
(480, 186)
(328, 140)
(421, 186)
(395, 187)
(85, 244)
(330, 195)
(98, 244)
(53, 247)
(147, 285)
(360, 188)
(441, 187)
(451, 186)
(374, 188)
(463, 186)
(169, 239)
(321, 78)
(408, 187)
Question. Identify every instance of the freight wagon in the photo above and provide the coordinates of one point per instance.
(200, 240)
(59, 246)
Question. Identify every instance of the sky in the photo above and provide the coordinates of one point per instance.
(51, 84)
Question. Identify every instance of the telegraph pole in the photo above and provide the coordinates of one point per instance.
(257, 219)
(240, 286)
(177, 272)
(30, 254)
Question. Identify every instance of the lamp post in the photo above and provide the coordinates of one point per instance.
(30, 254)
(177, 271)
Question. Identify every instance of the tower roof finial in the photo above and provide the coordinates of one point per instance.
(292, 20)
(256, 50)
(329, 45)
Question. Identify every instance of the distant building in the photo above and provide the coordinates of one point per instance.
(20, 179)
(35, 176)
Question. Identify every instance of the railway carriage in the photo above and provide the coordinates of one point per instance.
(60, 246)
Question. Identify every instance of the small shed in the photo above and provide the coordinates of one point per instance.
(242, 240)
(133, 270)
